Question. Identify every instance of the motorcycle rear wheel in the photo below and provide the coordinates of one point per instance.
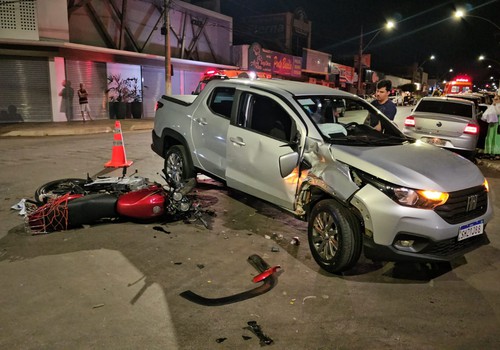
(57, 188)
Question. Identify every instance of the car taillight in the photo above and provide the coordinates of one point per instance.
(158, 105)
(410, 121)
(471, 129)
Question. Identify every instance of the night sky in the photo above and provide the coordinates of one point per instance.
(423, 27)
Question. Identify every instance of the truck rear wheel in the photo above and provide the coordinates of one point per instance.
(334, 236)
(178, 165)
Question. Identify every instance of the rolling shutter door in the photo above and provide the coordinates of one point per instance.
(93, 75)
(25, 89)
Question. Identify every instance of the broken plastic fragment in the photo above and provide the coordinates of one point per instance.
(308, 297)
(21, 206)
(268, 283)
(263, 275)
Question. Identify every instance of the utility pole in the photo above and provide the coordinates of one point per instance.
(360, 64)
(168, 64)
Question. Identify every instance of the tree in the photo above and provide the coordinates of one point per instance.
(408, 87)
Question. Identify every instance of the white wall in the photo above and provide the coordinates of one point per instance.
(53, 20)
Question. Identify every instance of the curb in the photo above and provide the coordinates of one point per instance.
(72, 128)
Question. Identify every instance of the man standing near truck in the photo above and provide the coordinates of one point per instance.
(382, 103)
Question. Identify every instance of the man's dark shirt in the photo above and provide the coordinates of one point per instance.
(388, 108)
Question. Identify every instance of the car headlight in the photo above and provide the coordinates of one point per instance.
(409, 197)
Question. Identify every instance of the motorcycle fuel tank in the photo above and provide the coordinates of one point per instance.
(142, 204)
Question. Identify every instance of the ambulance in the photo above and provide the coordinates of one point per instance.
(461, 84)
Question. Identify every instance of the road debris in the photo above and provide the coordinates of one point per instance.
(267, 276)
(257, 330)
(308, 297)
(161, 229)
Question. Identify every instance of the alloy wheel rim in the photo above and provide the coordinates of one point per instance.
(174, 167)
(325, 236)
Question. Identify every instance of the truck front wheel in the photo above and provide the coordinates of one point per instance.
(178, 165)
(334, 236)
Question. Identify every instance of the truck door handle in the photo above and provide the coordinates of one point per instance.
(200, 121)
(238, 141)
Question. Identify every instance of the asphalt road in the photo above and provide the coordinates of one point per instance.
(117, 285)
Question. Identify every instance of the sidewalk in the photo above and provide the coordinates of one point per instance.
(107, 126)
(73, 128)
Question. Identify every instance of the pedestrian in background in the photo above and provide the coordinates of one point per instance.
(83, 98)
(491, 116)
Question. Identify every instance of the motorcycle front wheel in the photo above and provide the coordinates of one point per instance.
(57, 188)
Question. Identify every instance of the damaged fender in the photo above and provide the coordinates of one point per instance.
(325, 176)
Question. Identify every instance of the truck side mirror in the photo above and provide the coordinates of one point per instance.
(288, 162)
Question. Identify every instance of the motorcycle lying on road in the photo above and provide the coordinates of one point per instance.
(70, 203)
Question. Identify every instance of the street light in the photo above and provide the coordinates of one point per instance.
(389, 25)
(420, 69)
(430, 58)
(461, 14)
(482, 58)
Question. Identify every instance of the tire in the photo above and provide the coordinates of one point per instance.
(58, 188)
(178, 165)
(334, 236)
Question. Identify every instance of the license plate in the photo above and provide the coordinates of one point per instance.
(473, 229)
(434, 141)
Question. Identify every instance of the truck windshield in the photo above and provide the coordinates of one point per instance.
(344, 120)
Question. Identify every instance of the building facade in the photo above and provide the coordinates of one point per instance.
(115, 48)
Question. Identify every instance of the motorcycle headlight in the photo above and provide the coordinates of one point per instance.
(409, 197)
(177, 196)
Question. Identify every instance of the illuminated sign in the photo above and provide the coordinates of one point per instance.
(462, 78)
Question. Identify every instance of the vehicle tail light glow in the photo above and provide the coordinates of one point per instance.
(471, 129)
(410, 121)
(158, 105)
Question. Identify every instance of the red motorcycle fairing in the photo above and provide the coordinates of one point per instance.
(142, 204)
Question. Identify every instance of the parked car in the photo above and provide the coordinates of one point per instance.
(359, 189)
(447, 122)
(481, 101)
(397, 99)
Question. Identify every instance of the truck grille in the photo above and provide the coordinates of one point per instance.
(451, 246)
(464, 205)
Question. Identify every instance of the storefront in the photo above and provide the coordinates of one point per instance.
(41, 80)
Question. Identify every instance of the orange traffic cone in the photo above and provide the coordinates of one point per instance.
(118, 156)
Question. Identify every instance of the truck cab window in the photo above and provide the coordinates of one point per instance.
(266, 116)
(221, 101)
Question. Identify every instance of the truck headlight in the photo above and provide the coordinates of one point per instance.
(417, 198)
(409, 197)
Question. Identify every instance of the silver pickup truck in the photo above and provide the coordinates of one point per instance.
(306, 148)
